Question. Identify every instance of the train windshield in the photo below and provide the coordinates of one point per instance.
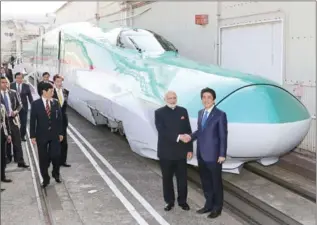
(145, 41)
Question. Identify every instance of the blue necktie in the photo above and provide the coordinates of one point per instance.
(203, 121)
(6, 102)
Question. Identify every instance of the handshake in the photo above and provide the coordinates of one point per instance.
(185, 138)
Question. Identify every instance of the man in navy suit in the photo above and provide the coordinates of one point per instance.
(24, 91)
(46, 131)
(61, 95)
(45, 79)
(211, 136)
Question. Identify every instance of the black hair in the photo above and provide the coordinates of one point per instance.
(208, 90)
(45, 73)
(57, 76)
(17, 74)
(45, 86)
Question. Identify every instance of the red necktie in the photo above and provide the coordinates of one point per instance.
(48, 110)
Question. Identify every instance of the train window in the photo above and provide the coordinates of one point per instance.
(144, 40)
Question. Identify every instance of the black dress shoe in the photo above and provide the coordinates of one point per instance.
(23, 165)
(45, 184)
(2, 189)
(203, 210)
(168, 207)
(65, 165)
(57, 179)
(5, 180)
(214, 214)
(184, 206)
(8, 161)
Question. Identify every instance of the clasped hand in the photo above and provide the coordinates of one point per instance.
(185, 138)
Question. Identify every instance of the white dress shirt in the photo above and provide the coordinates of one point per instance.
(17, 85)
(44, 102)
(208, 110)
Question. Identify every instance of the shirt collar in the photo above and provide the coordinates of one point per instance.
(209, 110)
(44, 99)
(58, 88)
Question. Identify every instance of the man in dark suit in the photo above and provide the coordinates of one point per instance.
(61, 95)
(13, 105)
(5, 137)
(3, 72)
(8, 72)
(46, 131)
(24, 91)
(172, 122)
(211, 136)
(45, 79)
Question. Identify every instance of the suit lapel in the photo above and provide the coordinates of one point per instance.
(200, 118)
(14, 86)
(211, 115)
(12, 100)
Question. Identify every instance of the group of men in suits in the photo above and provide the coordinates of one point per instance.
(6, 72)
(11, 106)
(46, 123)
(48, 126)
(175, 147)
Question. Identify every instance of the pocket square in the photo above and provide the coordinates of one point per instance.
(183, 117)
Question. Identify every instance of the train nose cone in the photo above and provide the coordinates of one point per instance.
(264, 120)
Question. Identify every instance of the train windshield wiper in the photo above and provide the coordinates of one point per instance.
(135, 45)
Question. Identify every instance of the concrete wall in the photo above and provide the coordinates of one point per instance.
(176, 22)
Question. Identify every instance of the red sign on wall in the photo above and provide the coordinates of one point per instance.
(201, 19)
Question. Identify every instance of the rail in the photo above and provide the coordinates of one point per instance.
(282, 182)
(245, 206)
(44, 207)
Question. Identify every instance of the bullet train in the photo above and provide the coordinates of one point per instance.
(117, 77)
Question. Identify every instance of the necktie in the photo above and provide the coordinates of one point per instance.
(47, 109)
(6, 102)
(203, 121)
(19, 88)
(59, 95)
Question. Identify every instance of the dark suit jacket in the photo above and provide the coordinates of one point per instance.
(38, 86)
(40, 122)
(16, 103)
(9, 75)
(169, 124)
(24, 95)
(5, 120)
(64, 106)
(212, 139)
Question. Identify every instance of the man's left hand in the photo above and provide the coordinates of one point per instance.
(14, 113)
(9, 139)
(61, 138)
(189, 155)
(221, 159)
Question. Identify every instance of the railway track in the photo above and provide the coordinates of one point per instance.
(297, 189)
(41, 194)
(244, 206)
(252, 210)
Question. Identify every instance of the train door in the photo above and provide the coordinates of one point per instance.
(60, 52)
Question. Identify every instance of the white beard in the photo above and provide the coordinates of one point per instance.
(172, 106)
